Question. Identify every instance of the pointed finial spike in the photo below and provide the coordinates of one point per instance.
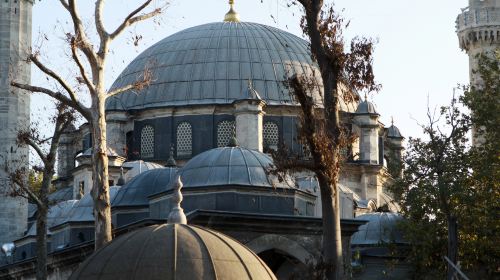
(392, 120)
(171, 160)
(121, 180)
(366, 97)
(177, 215)
(232, 142)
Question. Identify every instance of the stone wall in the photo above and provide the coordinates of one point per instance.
(15, 41)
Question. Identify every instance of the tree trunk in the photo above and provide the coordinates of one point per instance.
(41, 222)
(100, 188)
(332, 243)
(41, 243)
(452, 245)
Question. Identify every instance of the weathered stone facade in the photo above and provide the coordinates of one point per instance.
(15, 42)
(478, 30)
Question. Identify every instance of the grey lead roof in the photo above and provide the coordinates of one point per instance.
(366, 108)
(393, 132)
(136, 192)
(381, 228)
(212, 63)
(227, 166)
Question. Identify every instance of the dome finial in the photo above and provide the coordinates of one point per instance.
(177, 215)
(251, 92)
(121, 180)
(392, 120)
(232, 142)
(366, 97)
(232, 15)
(171, 160)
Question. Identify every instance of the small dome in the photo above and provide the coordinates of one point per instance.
(392, 205)
(83, 210)
(88, 153)
(57, 214)
(136, 192)
(393, 132)
(173, 251)
(62, 194)
(227, 166)
(136, 167)
(366, 107)
(381, 228)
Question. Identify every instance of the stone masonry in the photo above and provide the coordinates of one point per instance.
(15, 42)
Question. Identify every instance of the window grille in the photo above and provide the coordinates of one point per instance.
(225, 131)
(184, 139)
(147, 141)
(271, 135)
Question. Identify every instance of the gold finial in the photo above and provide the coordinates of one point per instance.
(232, 15)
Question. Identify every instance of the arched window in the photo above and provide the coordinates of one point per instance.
(271, 135)
(184, 139)
(225, 131)
(147, 141)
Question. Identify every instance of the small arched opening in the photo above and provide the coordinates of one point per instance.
(283, 265)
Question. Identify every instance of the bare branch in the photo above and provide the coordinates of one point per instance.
(29, 141)
(138, 85)
(58, 78)
(16, 178)
(78, 62)
(83, 42)
(65, 4)
(56, 95)
(133, 18)
(99, 25)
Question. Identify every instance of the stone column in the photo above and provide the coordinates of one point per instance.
(249, 113)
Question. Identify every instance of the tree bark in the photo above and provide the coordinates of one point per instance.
(332, 243)
(41, 221)
(41, 241)
(100, 188)
(452, 245)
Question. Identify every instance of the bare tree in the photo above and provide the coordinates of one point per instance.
(322, 131)
(90, 60)
(45, 149)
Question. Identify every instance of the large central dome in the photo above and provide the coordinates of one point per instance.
(212, 63)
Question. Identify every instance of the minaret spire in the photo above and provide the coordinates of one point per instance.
(177, 215)
(232, 15)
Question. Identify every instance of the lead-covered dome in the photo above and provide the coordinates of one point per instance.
(136, 192)
(381, 227)
(212, 63)
(227, 166)
(173, 251)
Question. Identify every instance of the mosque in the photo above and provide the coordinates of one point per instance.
(216, 108)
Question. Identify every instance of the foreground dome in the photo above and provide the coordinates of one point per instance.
(173, 251)
(212, 63)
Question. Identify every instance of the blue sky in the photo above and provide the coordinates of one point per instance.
(417, 58)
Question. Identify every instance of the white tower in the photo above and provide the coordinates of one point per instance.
(478, 30)
(15, 42)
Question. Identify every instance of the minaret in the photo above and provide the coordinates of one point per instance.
(478, 30)
(15, 43)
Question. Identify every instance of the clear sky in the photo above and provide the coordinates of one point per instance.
(417, 57)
